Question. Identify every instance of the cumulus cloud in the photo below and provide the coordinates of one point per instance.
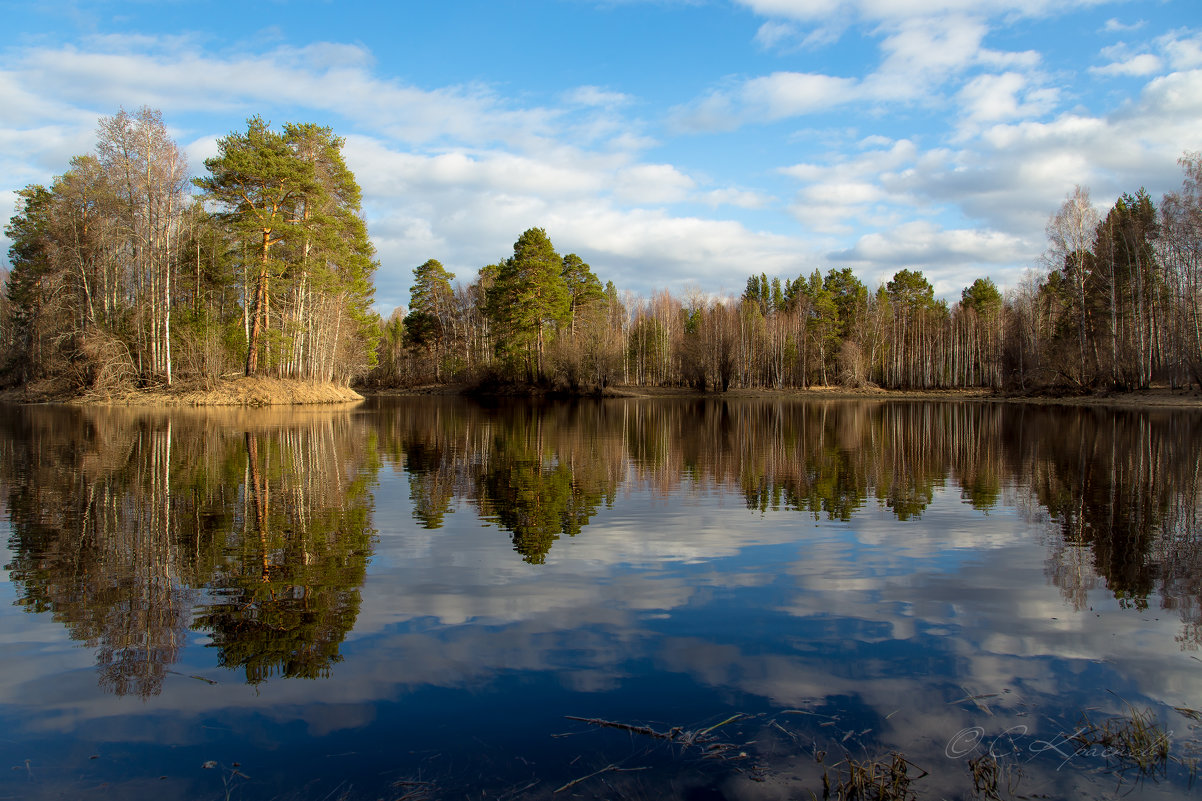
(1127, 61)
(653, 184)
(771, 34)
(452, 172)
(1183, 49)
(176, 77)
(919, 57)
(846, 193)
(765, 99)
(1009, 96)
(741, 198)
(456, 171)
(949, 258)
(466, 207)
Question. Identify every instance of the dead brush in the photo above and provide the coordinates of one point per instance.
(985, 775)
(1136, 739)
(872, 780)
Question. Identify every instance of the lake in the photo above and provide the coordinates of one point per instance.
(425, 598)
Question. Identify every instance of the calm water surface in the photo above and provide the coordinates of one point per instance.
(428, 598)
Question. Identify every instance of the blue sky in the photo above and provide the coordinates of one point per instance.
(672, 145)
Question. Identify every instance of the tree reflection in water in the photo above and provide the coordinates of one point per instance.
(130, 527)
(1120, 488)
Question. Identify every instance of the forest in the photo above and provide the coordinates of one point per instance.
(1115, 304)
(127, 272)
(122, 276)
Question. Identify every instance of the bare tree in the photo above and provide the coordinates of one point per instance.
(1070, 234)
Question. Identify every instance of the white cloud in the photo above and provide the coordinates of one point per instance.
(981, 206)
(919, 56)
(457, 171)
(771, 34)
(652, 184)
(1182, 49)
(1114, 25)
(789, 94)
(467, 207)
(595, 96)
(1139, 65)
(452, 172)
(742, 198)
(920, 53)
(950, 259)
(330, 78)
(847, 193)
(765, 99)
(884, 10)
(1009, 96)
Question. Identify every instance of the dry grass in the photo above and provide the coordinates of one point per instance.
(1136, 739)
(230, 392)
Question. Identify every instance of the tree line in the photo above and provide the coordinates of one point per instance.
(122, 276)
(1116, 302)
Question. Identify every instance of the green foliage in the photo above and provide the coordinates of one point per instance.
(430, 298)
(851, 300)
(583, 288)
(910, 290)
(983, 298)
(29, 255)
(290, 203)
(528, 301)
(287, 584)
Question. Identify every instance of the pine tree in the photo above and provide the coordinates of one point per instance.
(529, 301)
(258, 185)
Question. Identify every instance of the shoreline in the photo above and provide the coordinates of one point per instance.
(1154, 398)
(230, 392)
(275, 392)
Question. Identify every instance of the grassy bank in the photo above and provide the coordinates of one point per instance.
(221, 392)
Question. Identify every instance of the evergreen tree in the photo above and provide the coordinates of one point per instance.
(257, 184)
(428, 324)
(584, 289)
(29, 255)
(529, 301)
(290, 199)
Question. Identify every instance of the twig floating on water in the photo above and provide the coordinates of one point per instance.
(612, 724)
(606, 769)
(731, 719)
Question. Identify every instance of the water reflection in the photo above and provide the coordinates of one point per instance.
(538, 473)
(1123, 491)
(130, 527)
(1122, 487)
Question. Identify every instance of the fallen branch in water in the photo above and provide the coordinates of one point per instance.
(671, 734)
(606, 769)
(676, 734)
